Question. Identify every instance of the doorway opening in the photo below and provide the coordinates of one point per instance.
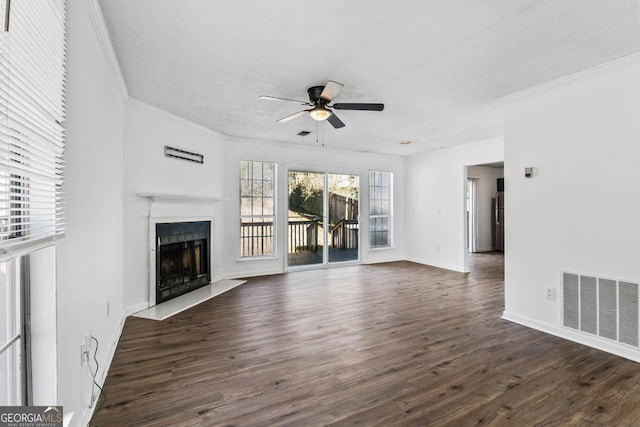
(483, 210)
(323, 218)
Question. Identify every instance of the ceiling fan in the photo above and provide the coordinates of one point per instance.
(319, 99)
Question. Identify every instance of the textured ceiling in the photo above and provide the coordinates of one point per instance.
(438, 66)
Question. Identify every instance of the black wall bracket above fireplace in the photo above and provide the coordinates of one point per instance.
(183, 261)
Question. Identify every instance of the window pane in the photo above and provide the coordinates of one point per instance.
(267, 189)
(244, 169)
(256, 188)
(245, 206)
(257, 206)
(267, 206)
(10, 376)
(384, 180)
(257, 170)
(245, 187)
(10, 366)
(268, 171)
(384, 207)
(376, 179)
(376, 207)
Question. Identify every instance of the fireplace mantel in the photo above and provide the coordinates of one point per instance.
(155, 197)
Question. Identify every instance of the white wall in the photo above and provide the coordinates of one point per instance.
(580, 210)
(435, 208)
(291, 157)
(147, 170)
(89, 259)
(485, 191)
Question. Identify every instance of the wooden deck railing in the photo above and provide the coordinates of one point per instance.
(303, 235)
(256, 238)
(344, 235)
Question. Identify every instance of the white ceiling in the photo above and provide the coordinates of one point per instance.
(438, 66)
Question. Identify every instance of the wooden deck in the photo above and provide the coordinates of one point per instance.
(387, 344)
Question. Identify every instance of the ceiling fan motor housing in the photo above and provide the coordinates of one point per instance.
(314, 94)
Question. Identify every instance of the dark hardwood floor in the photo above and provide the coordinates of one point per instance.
(387, 344)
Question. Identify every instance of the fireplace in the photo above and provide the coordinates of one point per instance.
(182, 258)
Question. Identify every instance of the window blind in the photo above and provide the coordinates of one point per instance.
(32, 78)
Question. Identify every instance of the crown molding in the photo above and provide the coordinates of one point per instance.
(100, 28)
(566, 80)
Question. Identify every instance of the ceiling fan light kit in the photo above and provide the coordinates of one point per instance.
(320, 97)
(320, 113)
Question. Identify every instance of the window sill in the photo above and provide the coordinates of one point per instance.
(385, 248)
(256, 258)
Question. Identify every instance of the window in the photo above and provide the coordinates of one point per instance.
(257, 208)
(380, 207)
(32, 75)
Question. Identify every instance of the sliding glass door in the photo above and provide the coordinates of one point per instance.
(323, 222)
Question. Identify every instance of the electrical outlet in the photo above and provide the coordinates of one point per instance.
(87, 341)
(85, 348)
(84, 352)
(550, 294)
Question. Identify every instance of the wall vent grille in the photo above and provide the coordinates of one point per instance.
(602, 307)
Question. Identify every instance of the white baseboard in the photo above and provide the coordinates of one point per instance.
(249, 274)
(454, 267)
(104, 370)
(380, 261)
(603, 344)
(488, 249)
(135, 308)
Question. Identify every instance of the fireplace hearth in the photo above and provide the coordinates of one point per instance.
(182, 258)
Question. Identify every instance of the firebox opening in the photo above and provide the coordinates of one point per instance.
(182, 258)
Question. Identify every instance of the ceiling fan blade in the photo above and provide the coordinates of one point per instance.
(335, 121)
(293, 116)
(356, 106)
(275, 98)
(331, 90)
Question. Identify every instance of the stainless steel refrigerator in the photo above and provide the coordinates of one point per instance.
(497, 214)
